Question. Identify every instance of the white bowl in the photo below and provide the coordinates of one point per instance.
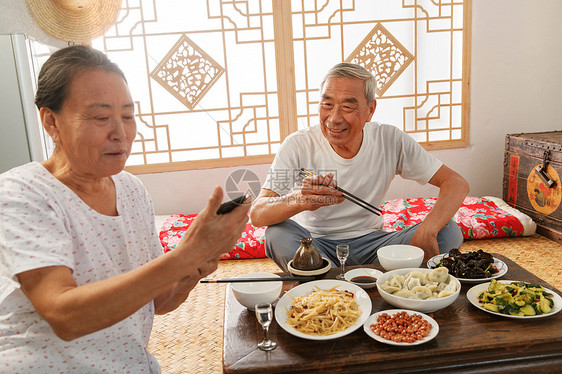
(251, 293)
(425, 306)
(400, 256)
(363, 272)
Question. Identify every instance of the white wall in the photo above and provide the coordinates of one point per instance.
(515, 87)
(15, 19)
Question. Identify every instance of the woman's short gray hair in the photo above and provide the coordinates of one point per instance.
(348, 70)
(62, 66)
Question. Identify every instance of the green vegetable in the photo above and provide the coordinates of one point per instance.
(492, 307)
(544, 304)
(528, 310)
(516, 299)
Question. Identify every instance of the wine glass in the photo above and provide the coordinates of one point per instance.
(264, 314)
(342, 251)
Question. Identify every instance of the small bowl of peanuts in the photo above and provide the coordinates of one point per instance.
(401, 327)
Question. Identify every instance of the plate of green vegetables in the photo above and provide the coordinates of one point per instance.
(515, 299)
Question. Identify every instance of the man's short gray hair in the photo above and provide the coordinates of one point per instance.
(348, 70)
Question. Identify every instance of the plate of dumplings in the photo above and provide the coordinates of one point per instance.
(423, 290)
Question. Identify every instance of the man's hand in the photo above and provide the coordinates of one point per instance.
(269, 208)
(452, 190)
(319, 191)
(426, 241)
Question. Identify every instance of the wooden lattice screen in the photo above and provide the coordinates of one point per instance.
(222, 83)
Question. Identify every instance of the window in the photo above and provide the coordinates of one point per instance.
(222, 83)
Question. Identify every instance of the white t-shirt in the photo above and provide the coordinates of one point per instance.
(385, 152)
(44, 223)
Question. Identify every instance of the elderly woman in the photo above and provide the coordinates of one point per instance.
(81, 268)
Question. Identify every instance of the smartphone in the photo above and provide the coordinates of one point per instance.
(230, 205)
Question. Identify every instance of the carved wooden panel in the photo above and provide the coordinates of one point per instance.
(187, 72)
(382, 54)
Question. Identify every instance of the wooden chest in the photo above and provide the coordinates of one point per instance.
(530, 186)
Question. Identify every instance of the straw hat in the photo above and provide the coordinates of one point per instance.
(76, 21)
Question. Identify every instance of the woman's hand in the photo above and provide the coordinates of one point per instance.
(210, 235)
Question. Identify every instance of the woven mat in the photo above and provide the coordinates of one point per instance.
(189, 339)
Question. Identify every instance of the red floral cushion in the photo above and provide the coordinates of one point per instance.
(250, 244)
(478, 217)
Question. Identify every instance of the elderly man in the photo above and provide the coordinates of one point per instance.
(364, 157)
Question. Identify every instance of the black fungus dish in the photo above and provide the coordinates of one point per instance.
(469, 265)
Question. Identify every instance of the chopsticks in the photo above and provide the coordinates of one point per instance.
(349, 196)
(239, 280)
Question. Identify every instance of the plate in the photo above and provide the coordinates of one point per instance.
(373, 319)
(349, 275)
(499, 264)
(361, 298)
(472, 296)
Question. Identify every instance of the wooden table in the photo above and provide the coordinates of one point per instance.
(469, 340)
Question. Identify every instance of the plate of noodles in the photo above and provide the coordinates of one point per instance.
(323, 309)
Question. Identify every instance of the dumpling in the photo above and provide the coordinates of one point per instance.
(422, 292)
(389, 288)
(433, 286)
(439, 275)
(405, 293)
(416, 274)
(396, 280)
(445, 293)
(450, 289)
(412, 283)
